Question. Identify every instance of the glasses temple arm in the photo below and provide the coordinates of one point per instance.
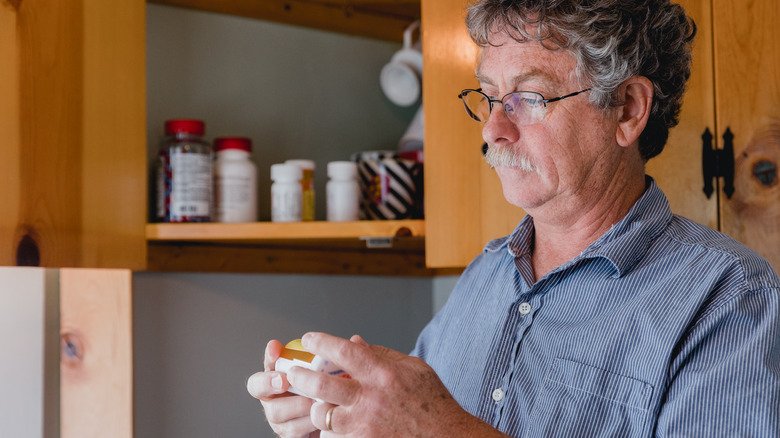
(555, 99)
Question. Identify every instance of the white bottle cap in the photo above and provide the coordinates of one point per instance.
(286, 172)
(342, 170)
(303, 164)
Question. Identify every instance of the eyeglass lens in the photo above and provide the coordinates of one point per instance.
(521, 107)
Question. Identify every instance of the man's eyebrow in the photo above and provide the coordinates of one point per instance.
(483, 79)
(521, 77)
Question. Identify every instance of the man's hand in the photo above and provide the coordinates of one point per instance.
(288, 414)
(390, 393)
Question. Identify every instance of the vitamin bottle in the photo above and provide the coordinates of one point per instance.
(184, 177)
(343, 192)
(286, 193)
(307, 185)
(235, 180)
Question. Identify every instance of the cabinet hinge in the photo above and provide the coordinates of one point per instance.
(718, 163)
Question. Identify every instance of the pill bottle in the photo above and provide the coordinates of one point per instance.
(307, 185)
(235, 180)
(343, 192)
(286, 193)
(294, 355)
(185, 172)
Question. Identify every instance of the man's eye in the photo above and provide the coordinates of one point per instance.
(532, 102)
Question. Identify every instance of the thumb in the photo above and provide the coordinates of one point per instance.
(357, 339)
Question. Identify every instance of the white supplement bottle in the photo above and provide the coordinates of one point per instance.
(343, 192)
(307, 184)
(235, 180)
(286, 193)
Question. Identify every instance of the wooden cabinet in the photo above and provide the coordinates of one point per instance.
(72, 117)
(733, 85)
(73, 120)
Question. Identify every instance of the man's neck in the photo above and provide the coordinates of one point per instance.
(560, 238)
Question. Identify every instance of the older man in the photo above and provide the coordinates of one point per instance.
(602, 314)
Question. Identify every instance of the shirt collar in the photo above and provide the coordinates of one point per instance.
(623, 245)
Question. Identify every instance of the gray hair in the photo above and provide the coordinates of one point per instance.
(611, 41)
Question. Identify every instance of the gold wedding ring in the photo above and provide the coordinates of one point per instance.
(329, 419)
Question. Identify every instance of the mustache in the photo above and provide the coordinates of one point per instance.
(504, 156)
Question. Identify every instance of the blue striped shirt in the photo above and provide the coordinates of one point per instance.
(662, 327)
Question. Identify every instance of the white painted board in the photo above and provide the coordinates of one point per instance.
(29, 357)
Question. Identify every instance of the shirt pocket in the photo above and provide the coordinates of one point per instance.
(582, 400)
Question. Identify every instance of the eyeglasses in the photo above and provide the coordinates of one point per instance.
(522, 107)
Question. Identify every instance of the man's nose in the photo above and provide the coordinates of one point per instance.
(499, 128)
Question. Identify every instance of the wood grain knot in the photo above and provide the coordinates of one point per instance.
(765, 172)
(403, 232)
(72, 349)
(27, 252)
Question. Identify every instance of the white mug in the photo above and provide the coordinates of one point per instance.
(400, 78)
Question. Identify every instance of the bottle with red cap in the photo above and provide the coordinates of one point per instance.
(184, 176)
(235, 180)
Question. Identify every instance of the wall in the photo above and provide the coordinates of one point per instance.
(298, 93)
(199, 336)
(441, 289)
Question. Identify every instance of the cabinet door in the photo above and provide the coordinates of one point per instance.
(465, 207)
(73, 129)
(464, 204)
(747, 61)
(678, 169)
(9, 131)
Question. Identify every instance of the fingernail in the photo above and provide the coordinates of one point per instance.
(252, 386)
(305, 340)
(276, 382)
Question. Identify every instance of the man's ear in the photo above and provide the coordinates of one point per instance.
(636, 94)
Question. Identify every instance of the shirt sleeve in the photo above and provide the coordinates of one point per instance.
(725, 381)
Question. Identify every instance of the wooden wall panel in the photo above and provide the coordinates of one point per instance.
(96, 359)
(452, 140)
(82, 149)
(678, 170)
(747, 61)
(9, 131)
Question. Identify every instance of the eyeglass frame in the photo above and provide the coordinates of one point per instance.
(501, 101)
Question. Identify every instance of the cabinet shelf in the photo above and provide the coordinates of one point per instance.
(380, 19)
(300, 247)
(269, 232)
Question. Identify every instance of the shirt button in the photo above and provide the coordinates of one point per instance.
(524, 309)
(498, 394)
